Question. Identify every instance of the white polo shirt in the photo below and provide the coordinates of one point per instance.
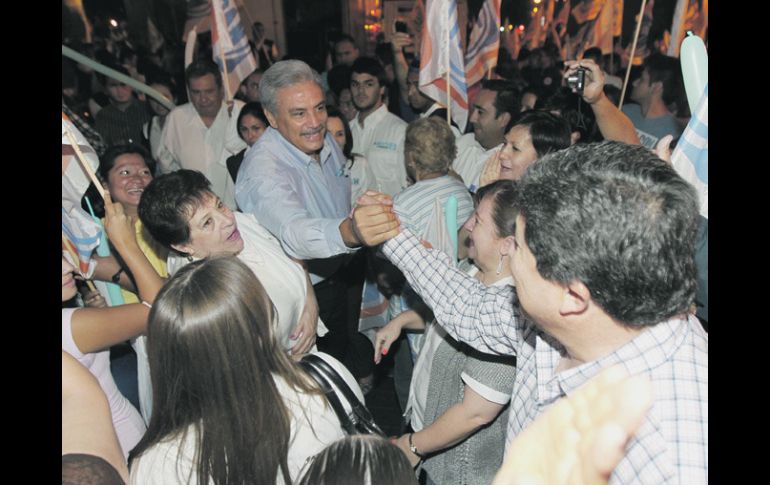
(381, 141)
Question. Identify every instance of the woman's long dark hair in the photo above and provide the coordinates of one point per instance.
(213, 358)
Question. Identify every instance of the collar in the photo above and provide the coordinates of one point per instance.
(374, 118)
(649, 350)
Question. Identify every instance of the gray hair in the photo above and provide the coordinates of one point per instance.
(283, 74)
(431, 144)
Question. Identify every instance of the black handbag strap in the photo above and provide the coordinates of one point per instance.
(347, 424)
(360, 414)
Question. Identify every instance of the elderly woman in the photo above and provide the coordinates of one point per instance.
(182, 213)
(459, 396)
(230, 406)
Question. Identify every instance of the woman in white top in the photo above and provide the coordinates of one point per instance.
(229, 406)
(181, 212)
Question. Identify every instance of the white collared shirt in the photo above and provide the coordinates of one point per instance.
(381, 141)
(186, 142)
(470, 159)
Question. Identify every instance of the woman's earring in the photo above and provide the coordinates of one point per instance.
(189, 258)
(500, 264)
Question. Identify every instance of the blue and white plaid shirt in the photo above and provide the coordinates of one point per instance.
(671, 446)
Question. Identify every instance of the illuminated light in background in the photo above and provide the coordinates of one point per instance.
(521, 28)
(534, 10)
(510, 27)
(537, 2)
(502, 29)
(113, 22)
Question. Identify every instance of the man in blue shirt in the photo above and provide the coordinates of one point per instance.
(292, 180)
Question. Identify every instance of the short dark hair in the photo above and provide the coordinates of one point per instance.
(507, 98)
(86, 469)
(338, 78)
(502, 194)
(353, 459)
(371, 66)
(667, 71)
(567, 104)
(618, 219)
(200, 68)
(334, 112)
(549, 132)
(595, 54)
(167, 203)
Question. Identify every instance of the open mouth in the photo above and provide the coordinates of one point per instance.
(234, 236)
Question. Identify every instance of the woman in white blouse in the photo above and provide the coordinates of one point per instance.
(181, 212)
(229, 404)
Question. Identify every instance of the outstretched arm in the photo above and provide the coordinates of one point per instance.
(613, 123)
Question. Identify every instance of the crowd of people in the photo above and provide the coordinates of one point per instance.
(536, 275)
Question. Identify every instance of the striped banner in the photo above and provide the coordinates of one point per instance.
(441, 53)
(484, 43)
(80, 234)
(229, 40)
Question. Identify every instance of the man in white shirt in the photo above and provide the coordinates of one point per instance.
(378, 134)
(202, 134)
(494, 111)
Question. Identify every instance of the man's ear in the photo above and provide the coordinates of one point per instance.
(657, 87)
(503, 119)
(270, 118)
(575, 299)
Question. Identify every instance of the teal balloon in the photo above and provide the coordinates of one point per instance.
(695, 68)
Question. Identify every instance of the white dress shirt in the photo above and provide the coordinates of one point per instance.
(186, 142)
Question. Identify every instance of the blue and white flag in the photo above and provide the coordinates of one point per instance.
(229, 41)
(484, 43)
(691, 155)
(441, 53)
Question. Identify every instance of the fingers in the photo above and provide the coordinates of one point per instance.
(372, 197)
(663, 148)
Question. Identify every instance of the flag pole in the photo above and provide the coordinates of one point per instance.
(83, 163)
(633, 50)
(226, 79)
(448, 71)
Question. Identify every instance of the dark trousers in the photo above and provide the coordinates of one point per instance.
(339, 304)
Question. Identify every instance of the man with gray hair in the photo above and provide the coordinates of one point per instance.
(293, 180)
(602, 254)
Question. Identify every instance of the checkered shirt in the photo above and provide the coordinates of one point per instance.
(671, 446)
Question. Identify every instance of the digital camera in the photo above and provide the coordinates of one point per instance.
(577, 79)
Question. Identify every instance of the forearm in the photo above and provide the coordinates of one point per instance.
(613, 123)
(457, 423)
(485, 318)
(401, 69)
(96, 329)
(107, 267)
(148, 281)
